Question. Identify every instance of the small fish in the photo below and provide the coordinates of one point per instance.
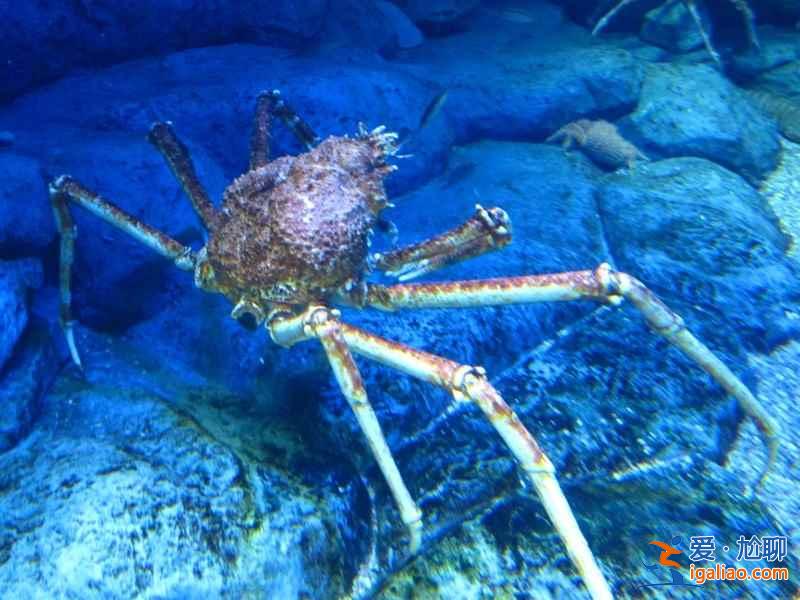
(430, 112)
(433, 108)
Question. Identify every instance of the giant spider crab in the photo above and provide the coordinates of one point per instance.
(291, 239)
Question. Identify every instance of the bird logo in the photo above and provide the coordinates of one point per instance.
(666, 552)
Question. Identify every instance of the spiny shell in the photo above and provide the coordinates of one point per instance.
(297, 228)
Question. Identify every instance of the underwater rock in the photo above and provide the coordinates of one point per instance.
(197, 334)
(23, 381)
(405, 33)
(778, 47)
(671, 26)
(783, 80)
(44, 41)
(700, 236)
(534, 93)
(209, 95)
(16, 277)
(438, 12)
(692, 110)
(131, 484)
(26, 219)
(377, 24)
(780, 9)
(785, 111)
(549, 198)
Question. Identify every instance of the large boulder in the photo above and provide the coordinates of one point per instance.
(517, 86)
(23, 382)
(209, 94)
(671, 26)
(134, 476)
(16, 278)
(26, 219)
(778, 47)
(438, 12)
(699, 235)
(784, 80)
(376, 24)
(43, 40)
(692, 110)
(26, 357)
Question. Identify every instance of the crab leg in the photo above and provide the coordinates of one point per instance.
(163, 137)
(691, 7)
(749, 20)
(606, 18)
(277, 107)
(602, 284)
(328, 331)
(259, 142)
(486, 230)
(468, 384)
(65, 189)
(698, 21)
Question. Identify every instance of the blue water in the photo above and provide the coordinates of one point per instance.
(192, 457)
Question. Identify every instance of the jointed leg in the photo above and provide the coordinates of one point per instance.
(68, 232)
(344, 368)
(163, 137)
(65, 189)
(276, 106)
(603, 285)
(487, 230)
(691, 6)
(606, 18)
(698, 21)
(468, 384)
(259, 142)
(749, 21)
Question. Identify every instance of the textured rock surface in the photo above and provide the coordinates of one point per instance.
(784, 80)
(23, 382)
(671, 26)
(778, 47)
(700, 233)
(16, 277)
(121, 492)
(46, 39)
(26, 357)
(378, 24)
(691, 110)
(436, 12)
(26, 219)
(785, 111)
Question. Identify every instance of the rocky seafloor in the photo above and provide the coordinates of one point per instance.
(194, 458)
